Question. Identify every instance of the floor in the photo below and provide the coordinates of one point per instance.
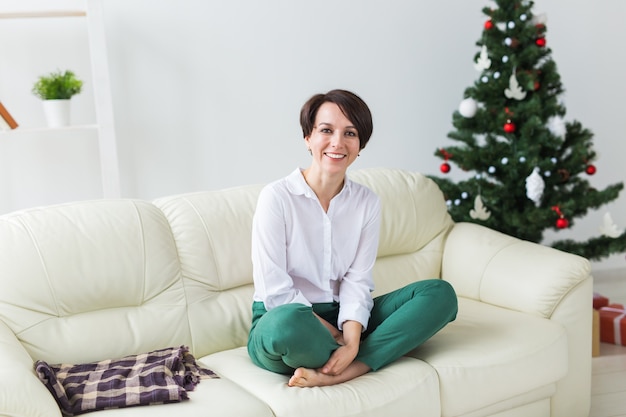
(608, 383)
(608, 386)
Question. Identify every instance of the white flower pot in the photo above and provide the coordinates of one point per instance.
(57, 112)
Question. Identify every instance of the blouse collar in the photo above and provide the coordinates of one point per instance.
(297, 185)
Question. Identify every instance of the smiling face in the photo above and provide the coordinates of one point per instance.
(334, 140)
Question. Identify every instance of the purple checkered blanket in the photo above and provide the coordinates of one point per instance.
(158, 377)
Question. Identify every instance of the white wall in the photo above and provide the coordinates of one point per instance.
(207, 93)
(214, 88)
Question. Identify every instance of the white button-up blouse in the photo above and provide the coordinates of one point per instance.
(301, 254)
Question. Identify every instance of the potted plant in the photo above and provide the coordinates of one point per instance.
(56, 89)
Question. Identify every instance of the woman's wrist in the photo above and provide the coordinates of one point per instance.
(352, 332)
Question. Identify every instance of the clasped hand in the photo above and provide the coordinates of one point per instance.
(341, 358)
(349, 341)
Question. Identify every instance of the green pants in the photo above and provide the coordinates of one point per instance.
(290, 336)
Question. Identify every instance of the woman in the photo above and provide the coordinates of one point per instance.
(314, 244)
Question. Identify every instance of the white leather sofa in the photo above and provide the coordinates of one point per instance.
(87, 281)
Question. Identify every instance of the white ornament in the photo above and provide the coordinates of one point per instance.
(491, 170)
(515, 90)
(556, 126)
(479, 212)
(504, 160)
(468, 108)
(539, 19)
(457, 202)
(522, 159)
(511, 25)
(485, 79)
(464, 195)
(496, 75)
(508, 41)
(505, 59)
(609, 228)
(483, 62)
(535, 186)
(541, 62)
(523, 17)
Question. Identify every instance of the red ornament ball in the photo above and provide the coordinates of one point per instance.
(562, 223)
(591, 169)
(537, 85)
(509, 127)
(445, 167)
(488, 25)
(541, 42)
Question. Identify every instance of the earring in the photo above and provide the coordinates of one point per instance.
(310, 151)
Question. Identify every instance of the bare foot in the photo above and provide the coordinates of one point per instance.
(304, 377)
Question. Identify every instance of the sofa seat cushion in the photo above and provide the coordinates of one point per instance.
(212, 397)
(489, 354)
(407, 387)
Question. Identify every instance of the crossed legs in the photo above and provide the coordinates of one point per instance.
(291, 340)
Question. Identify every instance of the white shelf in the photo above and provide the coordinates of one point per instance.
(20, 131)
(57, 166)
(74, 145)
(43, 14)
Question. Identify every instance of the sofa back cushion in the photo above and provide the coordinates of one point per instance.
(91, 280)
(414, 225)
(213, 231)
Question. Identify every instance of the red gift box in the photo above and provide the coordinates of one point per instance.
(613, 324)
(599, 301)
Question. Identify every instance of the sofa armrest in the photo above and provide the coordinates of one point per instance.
(492, 267)
(489, 266)
(21, 392)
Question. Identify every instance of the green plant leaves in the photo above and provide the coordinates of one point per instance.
(57, 86)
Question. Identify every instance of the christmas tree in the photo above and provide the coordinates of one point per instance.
(528, 168)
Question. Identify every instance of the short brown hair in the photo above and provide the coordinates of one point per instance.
(352, 106)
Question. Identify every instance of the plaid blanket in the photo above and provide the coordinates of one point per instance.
(158, 377)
